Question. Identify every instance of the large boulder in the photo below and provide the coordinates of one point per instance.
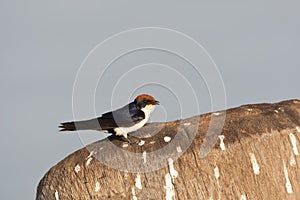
(249, 152)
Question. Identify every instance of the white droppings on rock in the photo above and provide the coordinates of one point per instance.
(152, 142)
(222, 145)
(217, 172)
(147, 135)
(292, 160)
(288, 184)
(173, 172)
(133, 194)
(77, 168)
(167, 139)
(216, 113)
(255, 166)
(243, 197)
(169, 187)
(89, 161)
(125, 175)
(56, 195)
(250, 109)
(276, 111)
(91, 154)
(294, 144)
(90, 158)
(298, 129)
(217, 176)
(187, 124)
(178, 148)
(145, 156)
(138, 182)
(125, 144)
(142, 142)
(97, 187)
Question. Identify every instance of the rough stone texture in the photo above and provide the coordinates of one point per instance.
(263, 131)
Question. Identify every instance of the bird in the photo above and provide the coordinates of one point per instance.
(120, 122)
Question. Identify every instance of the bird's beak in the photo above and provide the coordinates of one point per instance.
(156, 102)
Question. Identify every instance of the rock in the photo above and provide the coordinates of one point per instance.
(249, 152)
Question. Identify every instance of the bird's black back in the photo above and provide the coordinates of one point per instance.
(122, 117)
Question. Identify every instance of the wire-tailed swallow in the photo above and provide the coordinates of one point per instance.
(119, 122)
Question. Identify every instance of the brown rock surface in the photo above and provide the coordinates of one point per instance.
(251, 155)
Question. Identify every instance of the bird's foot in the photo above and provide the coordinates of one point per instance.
(128, 140)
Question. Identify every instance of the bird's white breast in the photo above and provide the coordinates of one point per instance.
(124, 130)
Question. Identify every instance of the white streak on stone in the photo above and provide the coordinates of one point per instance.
(217, 172)
(178, 148)
(250, 109)
(167, 139)
(138, 182)
(142, 142)
(77, 168)
(90, 158)
(254, 164)
(217, 176)
(89, 161)
(243, 197)
(125, 144)
(173, 172)
(145, 156)
(91, 154)
(56, 195)
(222, 145)
(169, 187)
(288, 184)
(97, 187)
(292, 160)
(187, 124)
(276, 111)
(294, 144)
(216, 113)
(133, 194)
(152, 142)
(298, 129)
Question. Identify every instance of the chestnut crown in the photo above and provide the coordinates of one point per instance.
(144, 100)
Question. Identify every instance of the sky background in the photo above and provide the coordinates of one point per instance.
(255, 46)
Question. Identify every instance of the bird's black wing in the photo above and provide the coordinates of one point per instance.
(122, 117)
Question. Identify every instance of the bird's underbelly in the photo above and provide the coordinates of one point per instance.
(124, 130)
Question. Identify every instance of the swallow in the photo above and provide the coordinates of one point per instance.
(120, 122)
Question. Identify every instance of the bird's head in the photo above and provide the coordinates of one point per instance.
(144, 100)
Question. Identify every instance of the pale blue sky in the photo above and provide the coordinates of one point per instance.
(255, 46)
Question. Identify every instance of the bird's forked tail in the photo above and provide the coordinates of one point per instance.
(67, 126)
